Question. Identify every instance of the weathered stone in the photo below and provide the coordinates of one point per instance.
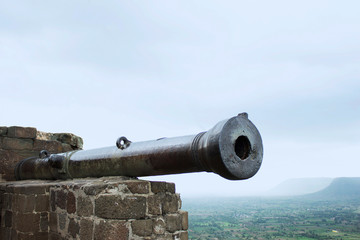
(24, 236)
(86, 229)
(111, 230)
(21, 132)
(27, 153)
(17, 143)
(66, 147)
(8, 218)
(155, 204)
(159, 226)
(94, 188)
(169, 203)
(158, 187)
(55, 236)
(113, 206)
(183, 235)
(84, 206)
(62, 220)
(166, 236)
(24, 203)
(44, 222)
(141, 187)
(53, 222)
(42, 203)
(7, 201)
(50, 146)
(73, 228)
(69, 138)
(5, 233)
(184, 220)
(3, 131)
(142, 227)
(27, 222)
(162, 187)
(61, 197)
(8, 160)
(41, 236)
(173, 222)
(53, 199)
(71, 203)
(43, 135)
(31, 188)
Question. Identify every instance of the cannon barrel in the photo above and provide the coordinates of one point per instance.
(232, 148)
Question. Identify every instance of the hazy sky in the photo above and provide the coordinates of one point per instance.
(150, 69)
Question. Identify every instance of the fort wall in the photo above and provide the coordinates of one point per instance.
(90, 208)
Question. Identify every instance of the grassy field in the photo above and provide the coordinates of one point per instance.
(272, 218)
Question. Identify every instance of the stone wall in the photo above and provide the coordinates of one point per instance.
(17, 143)
(103, 208)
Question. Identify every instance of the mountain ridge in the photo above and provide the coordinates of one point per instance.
(341, 188)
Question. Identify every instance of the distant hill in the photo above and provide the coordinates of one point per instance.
(300, 186)
(340, 188)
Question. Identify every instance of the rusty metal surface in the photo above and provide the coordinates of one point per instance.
(232, 148)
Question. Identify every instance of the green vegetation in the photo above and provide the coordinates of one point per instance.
(273, 218)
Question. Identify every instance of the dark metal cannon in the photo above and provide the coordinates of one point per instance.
(232, 148)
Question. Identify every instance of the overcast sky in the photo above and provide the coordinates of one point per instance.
(150, 69)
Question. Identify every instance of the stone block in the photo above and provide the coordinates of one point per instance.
(73, 228)
(184, 220)
(142, 227)
(86, 229)
(8, 219)
(50, 146)
(115, 207)
(21, 132)
(170, 203)
(17, 143)
(24, 203)
(43, 135)
(7, 201)
(27, 153)
(66, 147)
(111, 230)
(42, 203)
(162, 187)
(60, 199)
(183, 235)
(5, 233)
(53, 222)
(159, 226)
(166, 236)
(85, 207)
(55, 236)
(155, 204)
(173, 222)
(62, 220)
(3, 131)
(94, 188)
(44, 222)
(31, 188)
(69, 138)
(71, 203)
(41, 236)
(53, 200)
(27, 222)
(8, 160)
(141, 187)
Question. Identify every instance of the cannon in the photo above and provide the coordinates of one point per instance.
(232, 148)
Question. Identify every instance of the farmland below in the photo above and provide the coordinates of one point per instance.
(314, 216)
(273, 218)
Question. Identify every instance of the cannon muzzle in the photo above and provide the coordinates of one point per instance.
(232, 148)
